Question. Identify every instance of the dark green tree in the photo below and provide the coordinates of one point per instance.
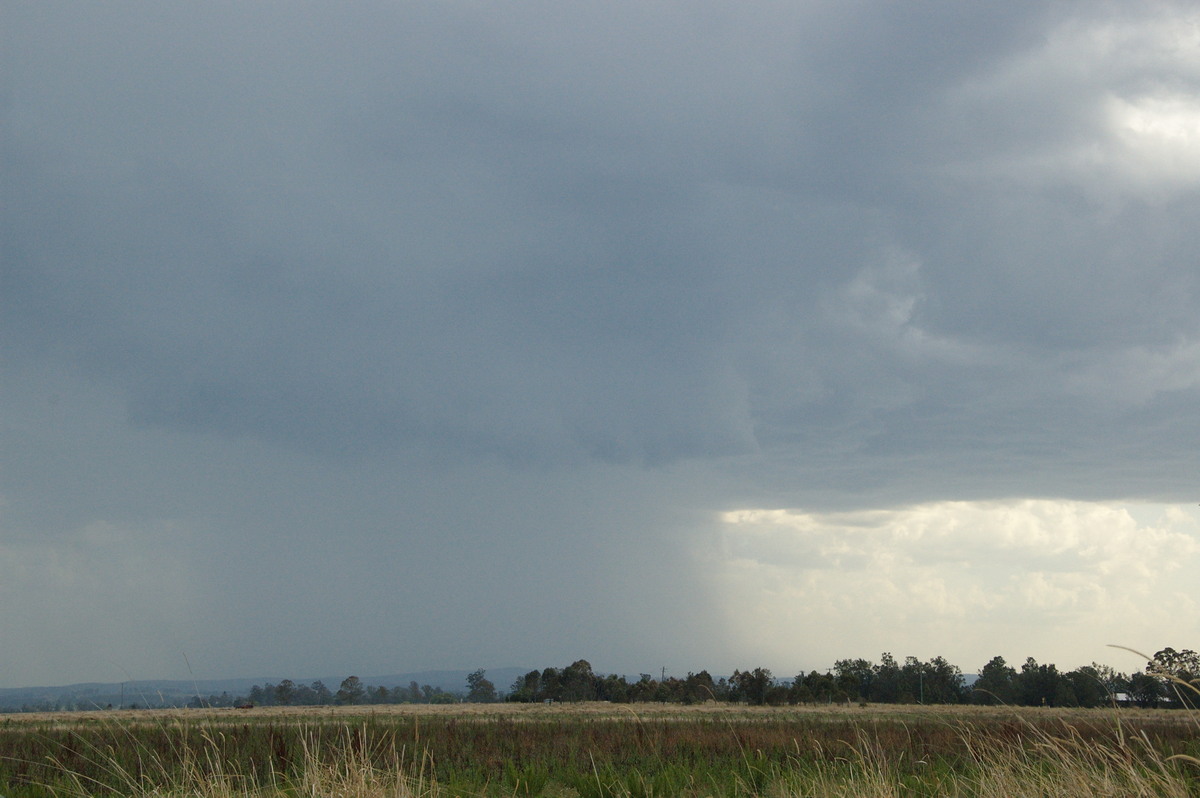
(854, 676)
(912, 681)
(578, 682)
(996, 683)
(285, 692)
(1086, 686)
(1179, 672)
(799, 692)
(752, 686)
(479, 689)
(885, 686)
(304, 696)
(820, 687)
(613, 688)
(1113, 680)
(670, 690)
(1038, 685)
(698, 688)
(644, 689)
(322, 693)
(551, 685)
(526, 688)
(1184, 664)
(1146, 690)
(351, 691)
(944, 683)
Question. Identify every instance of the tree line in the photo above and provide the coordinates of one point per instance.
(352, 690)
(1164, 682)
(888, 681)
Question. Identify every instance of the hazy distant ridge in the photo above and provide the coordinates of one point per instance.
(157, 692)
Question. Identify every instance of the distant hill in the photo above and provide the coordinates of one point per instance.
(166, 692)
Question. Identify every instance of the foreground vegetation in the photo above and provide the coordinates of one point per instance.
(596, 749)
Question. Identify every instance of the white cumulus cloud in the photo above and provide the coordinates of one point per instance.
(1073, 575)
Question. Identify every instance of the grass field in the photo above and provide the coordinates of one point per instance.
(602, 750)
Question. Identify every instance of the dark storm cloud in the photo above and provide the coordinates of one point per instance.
(464, 281)
(551, 235)
(463, 262)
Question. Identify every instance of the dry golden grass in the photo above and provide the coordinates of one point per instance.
(879, 750)
(603, 710)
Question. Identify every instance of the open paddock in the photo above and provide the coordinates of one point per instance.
(602, 749)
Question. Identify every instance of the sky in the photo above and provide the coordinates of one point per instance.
(386, 336)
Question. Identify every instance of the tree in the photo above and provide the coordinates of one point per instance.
(800, 694)
(996, 683)
(670, 690)
(885, 686)
(1086, 686)
(820, 687)
(698, 688)
(285, 692)
(1184, 664)
(303, 696)
(644, 688)
(322, 693)
(1038, 685)
(351, 691)
(1111, 680)
(1145, 690)
(944, 683)
(752, 686)
(854, 676)
(479, 689)
(912, 681)
(551, 685)
(525, 689)
(613, 688)
(1179, 672)
(258, 696)
(578, 681)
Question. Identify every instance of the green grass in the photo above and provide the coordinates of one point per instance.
(602, 751)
